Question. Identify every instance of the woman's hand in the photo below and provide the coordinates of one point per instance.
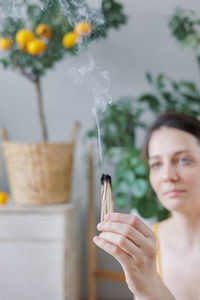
(133, 244)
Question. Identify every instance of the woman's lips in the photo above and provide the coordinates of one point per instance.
(174, 193)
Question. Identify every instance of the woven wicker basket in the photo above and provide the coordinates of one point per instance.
(39, 173)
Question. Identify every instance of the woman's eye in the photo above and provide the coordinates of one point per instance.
(155, 165)
(184, 161)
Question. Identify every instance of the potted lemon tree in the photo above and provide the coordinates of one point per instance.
(43, 35)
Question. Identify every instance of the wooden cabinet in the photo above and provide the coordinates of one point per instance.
(39, 252)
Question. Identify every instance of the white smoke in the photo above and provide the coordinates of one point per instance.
(97, 81)
(16, 9)
(9, 8)
(95, 4)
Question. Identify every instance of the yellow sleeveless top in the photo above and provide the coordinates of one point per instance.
(155, 230)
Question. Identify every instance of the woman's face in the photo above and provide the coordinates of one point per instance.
(174, 160)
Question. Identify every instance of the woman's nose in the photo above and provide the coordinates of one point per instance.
(169, 173)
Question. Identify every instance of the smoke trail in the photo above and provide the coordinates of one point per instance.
(94, 111)
(96, 4)
(16, 8)
(97, 81)
(8, 9)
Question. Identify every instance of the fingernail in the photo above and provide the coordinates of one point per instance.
(100, 226)
(96, 239)
(108, 217)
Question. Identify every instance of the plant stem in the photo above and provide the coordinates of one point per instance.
(36, 81)
(41, 110)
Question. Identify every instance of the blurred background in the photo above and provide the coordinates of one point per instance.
(145, 44)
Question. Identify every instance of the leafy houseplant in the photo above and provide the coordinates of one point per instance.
(123, 119)
(35, 42)
(32, 43)
(171, 95)
(182, 95)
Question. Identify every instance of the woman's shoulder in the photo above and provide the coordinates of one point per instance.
(162, 226)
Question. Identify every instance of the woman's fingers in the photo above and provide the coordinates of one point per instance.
(128, 235)
(121, 242)
(121, 256)
(132, 221)
(125, 230)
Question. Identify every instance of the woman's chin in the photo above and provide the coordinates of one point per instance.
(175, 204)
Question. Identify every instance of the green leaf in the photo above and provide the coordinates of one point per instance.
(175, 85)
(189, 85)
(4, 63)
(149, 77)
(139, 188)
(134, 161)
(151, 100)
(129, 176)
(125, 187)
(147, 208)
(120, 201)
(134, 202)
(33, 11)
(184, 25)
(163, 214)
(169, 97)
(160, 81)
(140, 169)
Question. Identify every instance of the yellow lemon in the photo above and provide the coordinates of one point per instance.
(36, 47)
(5, 44)
(3, 197)
(43, 31)
(69, 39)
(24, 36)
(82, 28)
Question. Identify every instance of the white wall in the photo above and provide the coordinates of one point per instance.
(143, 45)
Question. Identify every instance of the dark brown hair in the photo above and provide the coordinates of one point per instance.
(176, 120)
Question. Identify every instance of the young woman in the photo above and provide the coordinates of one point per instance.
(163, 263)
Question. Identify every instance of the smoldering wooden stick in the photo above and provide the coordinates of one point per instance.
(107, 203)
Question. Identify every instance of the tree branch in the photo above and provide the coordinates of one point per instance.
(29, 76)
